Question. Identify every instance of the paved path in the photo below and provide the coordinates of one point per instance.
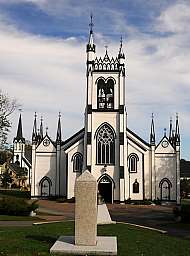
(152, 216)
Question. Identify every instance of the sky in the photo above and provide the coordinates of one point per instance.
(43, 61)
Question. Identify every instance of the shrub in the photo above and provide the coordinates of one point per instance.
(182, 211)
(16, 206)
(15, 192)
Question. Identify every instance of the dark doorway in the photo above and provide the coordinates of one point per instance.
(105, 190)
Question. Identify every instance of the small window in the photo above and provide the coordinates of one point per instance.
(77, 162)
(133, 162)
(136, 186)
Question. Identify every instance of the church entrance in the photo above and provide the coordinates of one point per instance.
(105, 187)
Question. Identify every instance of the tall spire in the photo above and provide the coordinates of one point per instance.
(121, 54)
(91, 46)
(177, 134)
(41, 128)
(34, 132)
(19, 136)
(152, 132)
(58, 139)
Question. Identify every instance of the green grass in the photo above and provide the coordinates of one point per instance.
(18, 218)
(185, 201)
(132, 241)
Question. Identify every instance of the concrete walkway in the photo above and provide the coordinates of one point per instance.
(159, 217)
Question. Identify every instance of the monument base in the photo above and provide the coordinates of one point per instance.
(106, 245)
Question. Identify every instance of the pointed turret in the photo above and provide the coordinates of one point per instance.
(34, 132)
(170, 132)
(91, 46)
(152, 132)
(19, 136)
(58, 138)
(41, 128)
(177, 134)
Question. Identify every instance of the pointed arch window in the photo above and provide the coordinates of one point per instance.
(77, 159)
(133, 162)
(105, 94)
(105, 145)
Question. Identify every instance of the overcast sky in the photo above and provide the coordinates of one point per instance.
(43, 60)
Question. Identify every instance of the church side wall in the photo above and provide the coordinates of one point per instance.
(136, 175)
(71, 176)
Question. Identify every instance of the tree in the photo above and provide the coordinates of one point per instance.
(6, 179)
(7, 107)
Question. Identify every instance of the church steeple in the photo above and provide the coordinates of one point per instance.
(19, 136)
(152, 132)
(34, 132)
(58, 138)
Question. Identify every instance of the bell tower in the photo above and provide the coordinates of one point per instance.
(105, 118)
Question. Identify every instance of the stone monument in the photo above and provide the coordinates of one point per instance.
(85, 240)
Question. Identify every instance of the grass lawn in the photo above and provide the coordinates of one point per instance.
(132, 241)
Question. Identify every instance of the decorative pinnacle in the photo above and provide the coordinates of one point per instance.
(41, 119)
(46, 129)
(35, 114)
(177, 115)
(91, 23)
(59, 114)
(20, 110)
(152, 116)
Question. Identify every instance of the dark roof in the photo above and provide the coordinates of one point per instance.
(19, 170)
(28, 153)
(184, 168)
(135, 135)
(74, 138)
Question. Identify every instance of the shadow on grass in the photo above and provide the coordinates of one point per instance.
(48, 239)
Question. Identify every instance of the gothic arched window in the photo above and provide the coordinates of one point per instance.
(132, 162)
(105, 94)
(105, 145)
(136, 186)
(77, 162)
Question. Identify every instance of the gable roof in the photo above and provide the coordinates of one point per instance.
(137, 140)
(73, 139)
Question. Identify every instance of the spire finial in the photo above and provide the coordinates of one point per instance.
(165, 132)
(121, 41)
(121, 54)
(91, 24)
(59, 114)
(46, 130)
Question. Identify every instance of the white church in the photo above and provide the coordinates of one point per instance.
(124, 165)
